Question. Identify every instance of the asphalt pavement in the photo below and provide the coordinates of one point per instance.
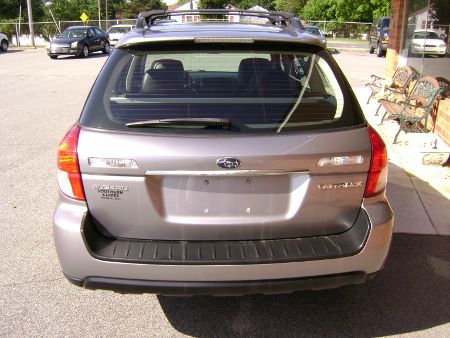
(40, 98)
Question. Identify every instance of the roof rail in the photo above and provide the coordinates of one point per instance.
(148, 18)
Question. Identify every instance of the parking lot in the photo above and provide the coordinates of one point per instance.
(39, 99)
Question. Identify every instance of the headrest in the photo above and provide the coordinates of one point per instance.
(251, 66)
(165, 76)
(175, 65)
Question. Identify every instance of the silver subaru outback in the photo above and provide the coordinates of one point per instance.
(222, 158)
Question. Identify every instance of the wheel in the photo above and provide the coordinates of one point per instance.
(85, 51)
(4, 45)
(106, 48)
(379, 50)
(371, 49)
(53, 56)
(441, 55)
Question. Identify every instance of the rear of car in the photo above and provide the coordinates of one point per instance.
(117, 31)
(379, 36)
(315, 31)
(226, 159)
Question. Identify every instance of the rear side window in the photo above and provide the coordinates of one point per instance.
(98, 32)
(257, 91)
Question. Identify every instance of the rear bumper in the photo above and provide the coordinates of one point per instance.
(239, 288)
(82, 268)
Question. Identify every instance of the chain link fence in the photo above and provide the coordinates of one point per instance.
(18, 32)
(341, 29)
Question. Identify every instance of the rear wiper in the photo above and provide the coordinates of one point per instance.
(183, 122)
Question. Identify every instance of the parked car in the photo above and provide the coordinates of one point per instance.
(317, 33)
(221, 158)
(117, 31)
(80, 41)
(4, 44)
(379, 36)
(427, 42)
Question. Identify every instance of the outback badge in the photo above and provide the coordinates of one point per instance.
(343, 185)
(228, 162)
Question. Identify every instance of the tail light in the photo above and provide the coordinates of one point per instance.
(376, 180)
(69, 176)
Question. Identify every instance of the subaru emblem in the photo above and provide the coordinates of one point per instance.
(228, 162)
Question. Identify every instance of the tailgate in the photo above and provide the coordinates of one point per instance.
(177, 191)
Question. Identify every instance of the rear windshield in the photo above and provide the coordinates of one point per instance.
(74, 33)
(244, 91)
(385, 23)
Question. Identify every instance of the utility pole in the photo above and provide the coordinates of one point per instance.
(99, 14)
(106, 14)
(20, 21)
(30, 22)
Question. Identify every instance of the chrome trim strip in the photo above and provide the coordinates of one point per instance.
(231, 172)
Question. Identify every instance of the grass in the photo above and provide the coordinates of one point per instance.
(345, 40)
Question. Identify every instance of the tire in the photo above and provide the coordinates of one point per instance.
(441, 55)
(106, 48)
(85, 51)
(371, 49)
(4, 45)
(379, 50)
(53, 57)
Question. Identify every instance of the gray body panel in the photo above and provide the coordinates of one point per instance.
(78, 263)
(217, 206)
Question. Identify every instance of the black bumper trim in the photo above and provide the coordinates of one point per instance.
(234, 288)
(301, 249)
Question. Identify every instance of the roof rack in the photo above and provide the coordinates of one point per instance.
(148, 18)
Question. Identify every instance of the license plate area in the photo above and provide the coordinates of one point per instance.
(223, 199)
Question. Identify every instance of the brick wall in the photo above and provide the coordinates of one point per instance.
(395, 33)
(442, 121)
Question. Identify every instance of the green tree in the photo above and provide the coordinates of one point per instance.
(293, 6)
(346, 10)
(213, 4)
(351, 10)
(9, 9)
(132, 8)
(441, 9)
(381, 8)
(66, 10)
(319, 10)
